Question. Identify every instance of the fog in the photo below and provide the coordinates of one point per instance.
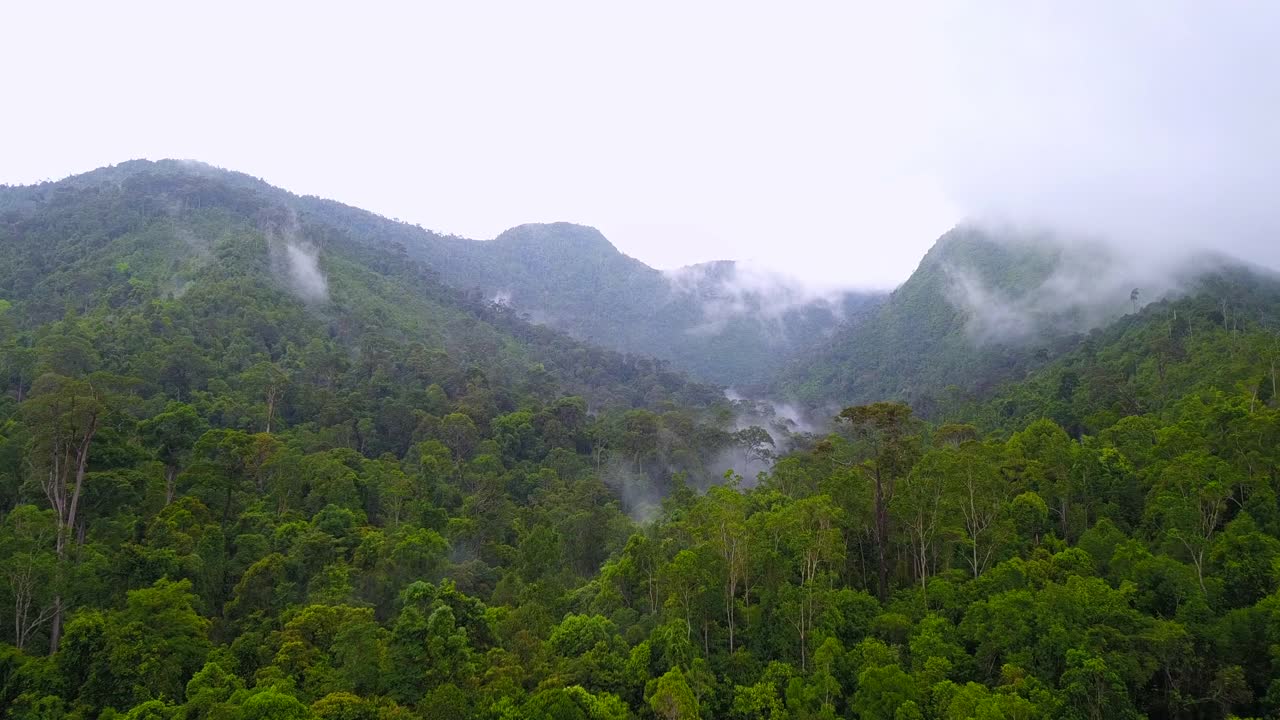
(304, 272)
(729, 290)
(1091, 282)
(294, 258)
(1149, 127)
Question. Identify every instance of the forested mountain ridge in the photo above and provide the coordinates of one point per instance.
(988, 306)
(1221, 336)
(124, 238)
(718, 323)
(714, 321)
(918, 342)
(259, 464)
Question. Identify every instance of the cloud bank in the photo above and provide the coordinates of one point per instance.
(1149, 126)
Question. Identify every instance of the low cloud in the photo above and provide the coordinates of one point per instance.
(1141, 126)
(295, 258)
(304, 272)
(1090, 283)
(727, 291)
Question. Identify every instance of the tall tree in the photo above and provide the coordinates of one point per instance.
(65, 415)
(171, 434)
(977, 493)
(28, 566)
(721, 518)
(1191, 502)
(887, 446)
(917, 506)
(271, 381)
(811, 534)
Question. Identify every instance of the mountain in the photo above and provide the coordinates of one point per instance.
(719, 321)
(213, 288)
(1217, 337)
(985, 307)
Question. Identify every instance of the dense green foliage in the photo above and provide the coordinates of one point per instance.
(225, 497)
(1224, 336)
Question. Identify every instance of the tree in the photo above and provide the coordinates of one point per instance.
(273, 704)
(17, 368)
(271, 381)
(209, 693)
(1191, 501)
(1247, 561)
(642, 556)
(146, 650)
(810, 532)
(918, 506)
(887, 447)
(158, 640)
(684, 579)
(1093, 690)
(171, 435)
(882, 689)
(65, 415)
(459, 433)
(639, 437)
(977, 493)
(29, 567)
(721, 518)
(672, 698)
(756, 442)
(1048, 456)
(223, 461)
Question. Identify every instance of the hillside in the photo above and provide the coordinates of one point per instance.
(983, 308)
(210, 289)
(1220, 338)
(122, 239)
(717, 321)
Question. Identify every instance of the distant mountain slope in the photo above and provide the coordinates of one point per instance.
(983, 308)
(232, 269)
(717, 321)
(1220, 338)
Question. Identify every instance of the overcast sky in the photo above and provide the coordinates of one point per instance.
(831, 141)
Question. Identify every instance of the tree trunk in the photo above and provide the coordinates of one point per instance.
(882, 540)
(67, 523)
(728, 611)
(55, 628)
(1066, 511)
(170, 483)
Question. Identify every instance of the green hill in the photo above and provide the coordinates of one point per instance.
(1221, 337)
(985, 308)
(189, 244)
(715, 321)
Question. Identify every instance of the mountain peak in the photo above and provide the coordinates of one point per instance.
(557, 234)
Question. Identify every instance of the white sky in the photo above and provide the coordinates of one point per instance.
(831, 141)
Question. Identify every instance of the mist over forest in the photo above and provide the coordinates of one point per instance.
(586, 361)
